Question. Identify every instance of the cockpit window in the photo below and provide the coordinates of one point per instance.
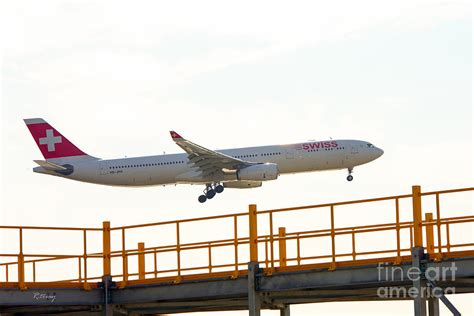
(370, 146)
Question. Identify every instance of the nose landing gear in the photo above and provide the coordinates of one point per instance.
(350, 177)
(210, 191)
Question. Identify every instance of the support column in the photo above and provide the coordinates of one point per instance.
(420, 298)
(285, 311)
(106, 283)
(433, 306)
(417, 253)
(253, 296)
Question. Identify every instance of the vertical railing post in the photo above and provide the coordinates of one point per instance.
(397, 218)
(353, 245)
(298, 249)
(141, 260)
(106, 247)
(21, 264)
(417, 218)
(448, 239)
(84, 256)
(124, 258)
(272, 256)
(438, 227)
(236, 249)
(282, 246)
(253, 233)
(34, 272)
(429, 234)
(333, 241)
(79, 267)
(266, 252)
(209, 257)
(178, 253)
(155, 263)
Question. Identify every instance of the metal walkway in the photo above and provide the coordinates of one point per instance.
(268, 270)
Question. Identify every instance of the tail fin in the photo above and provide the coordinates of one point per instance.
(51, 143)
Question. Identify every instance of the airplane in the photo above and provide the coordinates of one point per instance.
(240, 168)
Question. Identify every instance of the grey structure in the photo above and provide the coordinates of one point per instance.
(256, 291)
(420, 300)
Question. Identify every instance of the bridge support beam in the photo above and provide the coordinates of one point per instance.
(253, 296)
(420, 297)
(417, 253)
(106, 283)
(433, 306)
(285, 311)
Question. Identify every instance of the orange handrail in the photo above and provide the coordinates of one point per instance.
(235, 265)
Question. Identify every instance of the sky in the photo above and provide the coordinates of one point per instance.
(116, 76)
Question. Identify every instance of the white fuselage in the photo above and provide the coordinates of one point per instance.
(175, 168)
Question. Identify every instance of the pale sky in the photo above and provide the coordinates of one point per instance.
(115, 77)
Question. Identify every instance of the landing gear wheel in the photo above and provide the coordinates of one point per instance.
(349, 178)
(210, 194)
(202, 198)
(219, 188)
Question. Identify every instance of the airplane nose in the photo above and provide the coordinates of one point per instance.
(379, 152)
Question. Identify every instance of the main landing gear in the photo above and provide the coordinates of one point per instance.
(350, 177)
(210, 191)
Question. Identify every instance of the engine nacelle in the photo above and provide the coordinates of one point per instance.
(260, 172)
(243, 184)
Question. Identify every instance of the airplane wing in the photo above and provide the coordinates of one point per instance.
(206, 160)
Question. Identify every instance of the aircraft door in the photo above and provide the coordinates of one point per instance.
(299, 153)
(104, 168)
(354, 149)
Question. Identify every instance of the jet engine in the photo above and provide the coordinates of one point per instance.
(260, 172)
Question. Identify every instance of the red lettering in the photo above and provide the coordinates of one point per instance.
(334, 143)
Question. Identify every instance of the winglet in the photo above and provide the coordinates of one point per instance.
(175, 136)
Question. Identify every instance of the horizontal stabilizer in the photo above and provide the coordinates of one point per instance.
(50, 166)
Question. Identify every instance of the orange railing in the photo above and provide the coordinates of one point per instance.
(131, 265)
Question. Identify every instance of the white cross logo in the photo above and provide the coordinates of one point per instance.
(50, 140)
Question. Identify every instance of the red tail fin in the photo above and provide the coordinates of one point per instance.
(51, 143)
